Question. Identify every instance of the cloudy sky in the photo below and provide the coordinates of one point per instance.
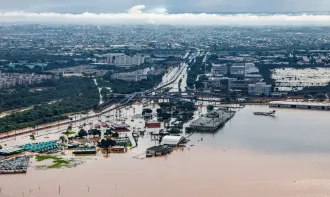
(173, 6)
(176, 12)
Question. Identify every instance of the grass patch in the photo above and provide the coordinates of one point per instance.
(58, 162)
(68, 133)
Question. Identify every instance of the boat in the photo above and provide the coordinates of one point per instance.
(270, 113)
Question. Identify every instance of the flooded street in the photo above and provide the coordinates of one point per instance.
(286, 155)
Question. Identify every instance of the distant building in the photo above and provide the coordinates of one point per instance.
(120, 59)
(130, 76)
(220, 69)
(259, 89)
(235, 70)
(222, 84)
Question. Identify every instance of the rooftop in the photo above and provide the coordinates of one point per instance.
(10, 150)
(172, 140)
(300, 103)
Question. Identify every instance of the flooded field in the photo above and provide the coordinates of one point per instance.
(286, 155)
(287, 79)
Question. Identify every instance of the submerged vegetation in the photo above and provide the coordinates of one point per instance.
(58, 162)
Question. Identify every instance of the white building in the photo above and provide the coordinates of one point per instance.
(172, 140)
(259, 89)
(120, 59)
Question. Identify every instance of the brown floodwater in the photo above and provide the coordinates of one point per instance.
(256, 156)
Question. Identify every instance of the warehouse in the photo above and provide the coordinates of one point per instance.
(158, 150)
(172, 140)
(10, 151)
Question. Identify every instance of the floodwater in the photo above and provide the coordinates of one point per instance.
(257, 156)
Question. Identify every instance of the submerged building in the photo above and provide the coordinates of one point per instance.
(212, 121)
(300, 105)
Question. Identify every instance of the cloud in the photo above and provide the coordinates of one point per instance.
(137, 15)
(136, 9)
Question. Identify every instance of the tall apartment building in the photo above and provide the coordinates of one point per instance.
(120, 59)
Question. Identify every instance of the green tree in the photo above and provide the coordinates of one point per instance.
(210, 107)
(82, 133)
(106, 143)
(104, 92)
(115, 134)
(63, 139)
(159, 111)
(108, 132)
(146, 111)
(69, 128)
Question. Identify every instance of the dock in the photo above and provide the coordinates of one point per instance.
(300, 105)
(212, 121)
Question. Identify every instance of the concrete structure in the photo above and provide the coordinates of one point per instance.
(212, 121)
(259, 89)
(172, 140)
(120, 59)
(222, 84)
(220, 69)
(133, 76)
(300, 105)
(235, 70)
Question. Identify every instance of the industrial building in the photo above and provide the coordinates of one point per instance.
(222, 84)
(158, 150)
(235, 70)
(172, 140)
(220, 69)
(260, 88)
(300, 105)
(212, 121)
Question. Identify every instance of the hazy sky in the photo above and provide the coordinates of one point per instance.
(173, 6)
(176, 12)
